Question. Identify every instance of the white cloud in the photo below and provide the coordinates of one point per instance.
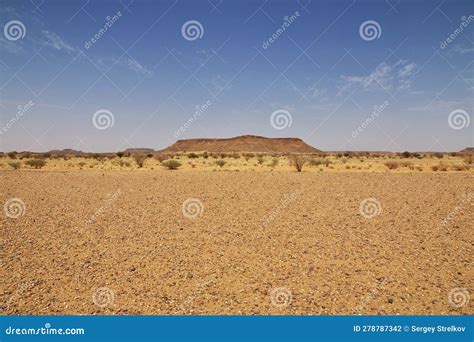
(133, 65)
(385, 76)
(55, 42)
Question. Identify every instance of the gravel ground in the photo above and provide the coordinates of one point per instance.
(246, 243)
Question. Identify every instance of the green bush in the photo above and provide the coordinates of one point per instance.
(171, 164)
(36, 163)
(15, 165)
(220, 162)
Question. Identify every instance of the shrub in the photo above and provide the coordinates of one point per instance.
(468, 159)
(139, 159)
(298, 162)
(406, 154)
(46, 155)
(120, 154)
(192, 155)
(392, 165)
(205, 155)
(460, 167)
(438, 155)
(171, 164)
(149, 155)
(274, 162)
(320, 161)
(81, 164)
(15, 165)
(12, 155)
(36, 163)
(220, 162)
(439, 167)
(161, 157)
(247, 156)
(406, 164)
(260, 160)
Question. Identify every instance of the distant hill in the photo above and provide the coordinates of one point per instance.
(139, 150)
(66, 151)
(468, 150)
(244, 143)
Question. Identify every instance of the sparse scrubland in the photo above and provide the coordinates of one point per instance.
(258, 162)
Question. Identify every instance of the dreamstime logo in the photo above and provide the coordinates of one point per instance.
(370, 30)
(458, 209)
(458, 297)
(281, 119)
(370, 208)
(108, 203)
(103, 119)
(103, 296)
(197, 113)
(192, 30)
(465, 22)
(14, 208)
(281, 297)
(110, 20)
(375, 113)
(287, 22)
(284, 203)
(458, 119)
(192, 208)
(21, 110)
(14, 30)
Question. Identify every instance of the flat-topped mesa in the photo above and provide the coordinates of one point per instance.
(468, 150)
(244, 143)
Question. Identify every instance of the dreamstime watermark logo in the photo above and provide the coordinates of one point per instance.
(458, 119)
(374, 292)
(20, 290)
(288, 20)
(14, 30)
(14, 208)
(103, 296)
(370, 30)
(108, 203)
(21, 110)
(281, 297)
(192, 30)
(281, 119)
(375, 113)
(198, 112)
(285, 202)
(458, 297)
(110, 21)
(370, 208)
(192, 208)
(465, 22)
(103, 119)
(458, 209)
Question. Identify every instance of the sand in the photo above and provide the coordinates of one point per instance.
(117, 242)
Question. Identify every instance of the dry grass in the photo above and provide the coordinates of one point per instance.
(200, 161)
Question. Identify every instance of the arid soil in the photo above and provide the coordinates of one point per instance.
(118, 242)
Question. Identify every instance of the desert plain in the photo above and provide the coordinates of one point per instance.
(215, 241)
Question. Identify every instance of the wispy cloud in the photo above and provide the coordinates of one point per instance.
(458, 49)
(57, 43)
(385, 76)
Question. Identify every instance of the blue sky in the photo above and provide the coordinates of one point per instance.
(320, 71)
